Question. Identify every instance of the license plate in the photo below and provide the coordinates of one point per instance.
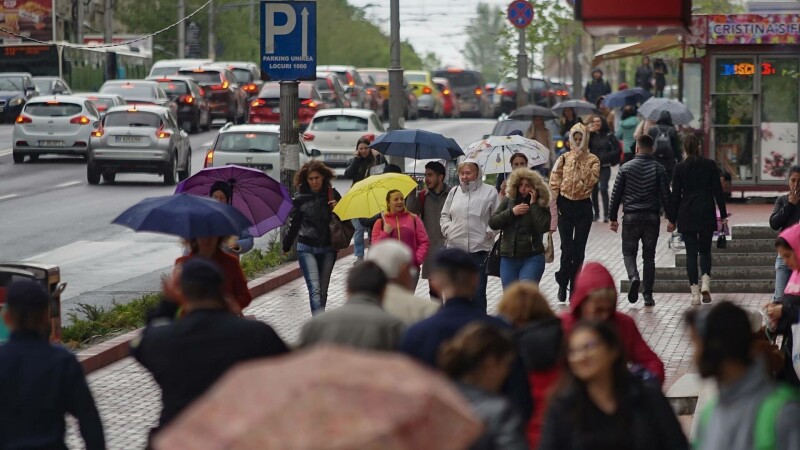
(276, 110)
(337, 157)
(51, 143)
(264, 167)
(128, 139)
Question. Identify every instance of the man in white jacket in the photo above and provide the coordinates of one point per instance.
(465, 220)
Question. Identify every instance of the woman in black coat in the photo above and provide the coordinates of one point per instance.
(603, 144)
(695, 188)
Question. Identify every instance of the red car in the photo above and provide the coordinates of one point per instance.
(450, 101)
(266, 108)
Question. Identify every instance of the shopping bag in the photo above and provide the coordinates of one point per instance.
(796, 348)
(549, 252)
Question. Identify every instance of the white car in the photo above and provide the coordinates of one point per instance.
(334, 132)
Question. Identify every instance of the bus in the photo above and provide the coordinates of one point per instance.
(84, 68)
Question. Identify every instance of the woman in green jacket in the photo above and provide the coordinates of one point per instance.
(523, 217)
(626, 128)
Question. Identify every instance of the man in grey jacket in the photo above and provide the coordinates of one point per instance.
(361, 322)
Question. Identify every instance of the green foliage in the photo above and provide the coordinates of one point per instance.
(484, 48)
(94, 323)
(553, 30)
(256, 260)
(431, 61)
(716, 7)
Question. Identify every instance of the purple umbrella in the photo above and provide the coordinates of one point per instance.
(259, 197)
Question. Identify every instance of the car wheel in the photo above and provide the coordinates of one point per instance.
(171, 171)
(18, 157)
(109, 177)
(184, 174)
(92, 174)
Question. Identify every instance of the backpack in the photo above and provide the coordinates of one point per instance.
(662, 146)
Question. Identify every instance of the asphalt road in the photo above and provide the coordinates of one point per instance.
(48, 213)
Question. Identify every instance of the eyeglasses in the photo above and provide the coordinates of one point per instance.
(586, 349)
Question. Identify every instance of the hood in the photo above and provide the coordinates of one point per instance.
(534, 179)
(592, 277)
(597, 70)
(540, 343)
(792, 236)
(474, 184)
(665, 118)
(579, 128)
(11, 94)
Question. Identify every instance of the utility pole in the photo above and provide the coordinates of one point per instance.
(522, 69)
(108, 21)
(396, 92)
(80, 18)
(212, 39)
(181, 29)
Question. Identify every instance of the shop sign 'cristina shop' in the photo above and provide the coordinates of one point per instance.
(739, 29)
(27, 18)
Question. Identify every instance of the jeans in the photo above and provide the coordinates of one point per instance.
(782, 274)
(317, 266)
(574, 224)
(479, 298)
(697, 242)
(644, 227)
(602, 188)
(358, 239)
(517, 269)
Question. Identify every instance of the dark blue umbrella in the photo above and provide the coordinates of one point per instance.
(417, 144)
(624, 97)
(187, 216)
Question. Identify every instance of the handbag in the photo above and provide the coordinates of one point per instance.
(341, 232)
(493, 259)
(549, 252)
(722, 240)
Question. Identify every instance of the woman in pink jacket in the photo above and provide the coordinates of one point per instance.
(397, 223)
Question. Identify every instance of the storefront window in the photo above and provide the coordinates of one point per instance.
(733, 109)
(734, 151)
(693, 90)
(779, 114)
(735, 75)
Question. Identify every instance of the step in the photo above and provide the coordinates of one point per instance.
(733, 259)
(753, 232)
(746, 246)
(762, 286)
(720, 272)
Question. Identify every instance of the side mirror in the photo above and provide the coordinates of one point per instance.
(315, 153)
(96, 124)
(30, 92)
(486, 136)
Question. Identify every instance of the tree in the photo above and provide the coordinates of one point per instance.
(484, 48)
(431, 61)
(716, 7)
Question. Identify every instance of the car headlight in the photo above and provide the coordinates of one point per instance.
(16, 102)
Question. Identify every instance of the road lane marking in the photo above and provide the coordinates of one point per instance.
(68, 184)
(9, 196)
(6, 151)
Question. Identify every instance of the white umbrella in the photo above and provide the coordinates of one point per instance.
(654, 107)
(494, 153)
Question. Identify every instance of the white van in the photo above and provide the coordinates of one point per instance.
(169, 67)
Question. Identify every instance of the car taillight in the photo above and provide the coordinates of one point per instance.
(426, 90)
(370, 137)
(478, 91)
(101, 107)
(370, 91)
(309, 103)
(24, 119)
(161, 134)
(258, 103)
(446, 92)
(350, 80)
(308, 136)
(80, 120)
(188, 99)
(220, 87)
(209, 158)
(499, 91)
(97, 133)
(250, 88)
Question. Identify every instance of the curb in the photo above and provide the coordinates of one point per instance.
(118, 348)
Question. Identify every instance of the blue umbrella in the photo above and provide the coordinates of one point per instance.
(187, 216)
(626, 97)
(417, 144)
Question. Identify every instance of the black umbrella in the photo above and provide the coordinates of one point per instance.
(581, 107)
(531, 111)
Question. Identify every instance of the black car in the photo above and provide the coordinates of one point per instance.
(15, 90)
(470, 89)
(193, 111)
(247, 74)
(226, 100)
(331, 90)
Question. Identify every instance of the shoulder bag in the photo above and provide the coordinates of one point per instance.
(341, 232)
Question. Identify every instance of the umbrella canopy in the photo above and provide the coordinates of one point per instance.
(531, 111)
(494, 153)
(262, 199)
(652, 109)
(368, 197)
(581, 107)
(326, 398)
(626, 97)
(187, 216)
(417, 144)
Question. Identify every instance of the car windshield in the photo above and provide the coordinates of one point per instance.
(243, 76)
(460, 79)
(416, 78)
(132, 119)
(43, 86)
(248, 142)
(322, 84)
(53, 109)
(202, 77)
(130, 90)
(339, 123)
(164, 70)
(379, 76)
(10, 83)
(174, 87)
(102, 104)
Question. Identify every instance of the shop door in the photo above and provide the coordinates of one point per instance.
(778, 112)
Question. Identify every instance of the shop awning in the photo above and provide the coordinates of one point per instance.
(654, 45)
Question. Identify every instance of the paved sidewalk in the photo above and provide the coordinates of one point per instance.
(129, 400)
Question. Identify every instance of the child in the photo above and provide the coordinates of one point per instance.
(40, 382)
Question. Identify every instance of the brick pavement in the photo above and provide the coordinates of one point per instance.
(129, 400)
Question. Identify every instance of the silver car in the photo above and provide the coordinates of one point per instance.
(102, 101)
(141, 139)
(54, 125)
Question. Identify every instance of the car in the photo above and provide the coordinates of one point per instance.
(16, 88)
(226, 100)
(254, 146)
(167, 67)
(334, 132)
(373, 94)
(541, 92)
(266, 108)
(51, 86)
(505, 95)
(506, 126)
(429, 99)
(139, 92)
(470, 91)
(54, 124)
(194, 113)
(381, 78)
(139, 139)
(560, 91)
(247, 74)
(102, 101)
(411, 104)
(351, 82)
(449, 100)
(331, 90)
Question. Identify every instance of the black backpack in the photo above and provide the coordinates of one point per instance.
(662, 147)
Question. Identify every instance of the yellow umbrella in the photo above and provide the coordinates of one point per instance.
(368, 197)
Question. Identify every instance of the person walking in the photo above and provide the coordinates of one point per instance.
(479, 360)
(539, 133)
(785, 313)
(465, 221)
(428, 204)
(539, 338)
(785, 214)
(695, 189)
(751, 411)
(568, 120)
(572, 180)
(522, 218)
(222, 192)
(308, 224)
(660, 72)
(361, 322)
(603, 144)
(234, 282)
(364, 159)
(644, 75)
(397, 223)
(601, 406)
(627, 127)
(666, 144)
(596, 87)
(643, 189)
(40, 382)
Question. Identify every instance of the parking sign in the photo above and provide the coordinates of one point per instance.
(289, 40)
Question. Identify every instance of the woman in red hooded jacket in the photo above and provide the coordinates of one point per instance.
(398, 223)
(595, 298)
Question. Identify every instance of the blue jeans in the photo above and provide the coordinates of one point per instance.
(317, 266)
(782, 274)
(517, 269)
(479, 298)
(358, 239)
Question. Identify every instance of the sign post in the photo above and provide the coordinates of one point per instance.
(520, 14)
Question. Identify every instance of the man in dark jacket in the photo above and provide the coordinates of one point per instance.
(666, 145)
(186, 357)
(455, 276)
(596, 87)
(643, 189)
(785, 214)
(40, 382)
(603, 144)
(644, 75)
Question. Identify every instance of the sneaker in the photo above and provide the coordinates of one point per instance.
(648, 300)
(359, 260)
(597, 217)
(606, 220)
(633, 292)
(562, 293)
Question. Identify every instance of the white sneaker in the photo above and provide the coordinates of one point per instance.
(695, 294)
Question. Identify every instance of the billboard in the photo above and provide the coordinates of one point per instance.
(27, 18)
